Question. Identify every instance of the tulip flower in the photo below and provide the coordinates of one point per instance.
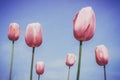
(101, 54)
(14, 32)
(84, 29)
(39, 68)
(33, 35)
(13, 35)
(84, 24)
(70, 61)
(33, 39)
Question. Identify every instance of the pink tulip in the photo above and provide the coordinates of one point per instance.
(84, 24)
(101, 54)
(70, 59)
(33, 39)
(14, 31)
(33, 35)
(13, 35)
(40, 67)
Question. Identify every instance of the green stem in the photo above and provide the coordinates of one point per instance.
(31, 70)
(11, 62)
(79, 61)
(38, 77)
(69, 73)
(105, 72)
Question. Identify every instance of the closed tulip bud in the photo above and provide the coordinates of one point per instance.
(14, 31)
(70, 59)
(33, 35)
(13, 35)
(101, 54)
(40, 67)
(84, 24)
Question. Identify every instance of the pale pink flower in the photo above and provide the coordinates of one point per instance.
(14, 31)
(84, 24)
(40, 67)
(101, 54)
(70, 59)
(33, 35)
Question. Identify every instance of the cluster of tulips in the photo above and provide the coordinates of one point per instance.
(84, 28)
(33, 38)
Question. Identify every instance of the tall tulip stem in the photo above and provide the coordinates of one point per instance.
(69, 73)
(11, 62)
(38, 77)
(105, 72)
(79, 61)
(31, 70)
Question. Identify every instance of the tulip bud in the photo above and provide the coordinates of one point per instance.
(70, 59)
(33, 35)
(14, 31)
(84, 24)
(40, 67)
(101, 54)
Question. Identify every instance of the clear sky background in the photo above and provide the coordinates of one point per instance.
(56, 18)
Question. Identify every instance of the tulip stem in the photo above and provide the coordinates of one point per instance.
(11, 62)
(79, 61)
(38, 77)
(105, 72)
(69, 73)
(31, 71)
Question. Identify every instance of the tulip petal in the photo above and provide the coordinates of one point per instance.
(29, 35)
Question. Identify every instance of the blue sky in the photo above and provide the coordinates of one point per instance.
(56, 17)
